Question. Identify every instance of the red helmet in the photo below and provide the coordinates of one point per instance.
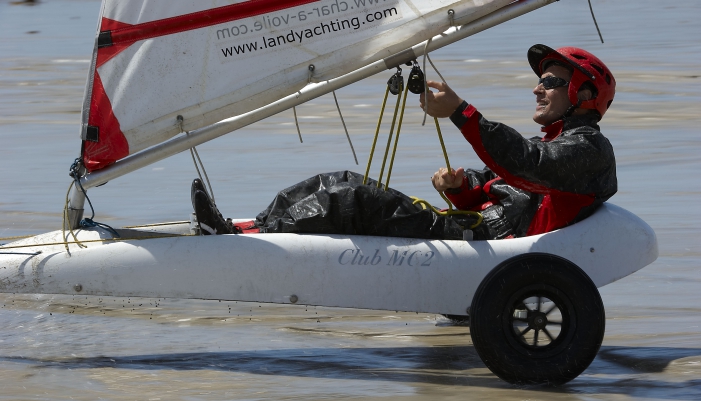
(586, 68)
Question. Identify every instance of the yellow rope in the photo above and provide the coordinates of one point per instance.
(424, 204)
(445, 198)
(396, 139)
(377, 133)
(447, 162)
(97, 240)
(450, 210)
(66, 221)
(389, 139)
(16, 237)
(440, 138)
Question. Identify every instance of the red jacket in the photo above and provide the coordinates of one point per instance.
(536, 185)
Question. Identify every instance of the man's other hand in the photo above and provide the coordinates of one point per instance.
(444, 179)
(441, 104)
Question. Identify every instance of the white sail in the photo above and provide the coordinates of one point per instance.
(210, 60)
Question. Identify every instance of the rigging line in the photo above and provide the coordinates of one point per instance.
(440, 138)
(86, 222)
(445, 198)
(377, 133)
(196, 167)
(299, 132)
(435, 69)
(591, 9)
(438, 127)
(16, 237)
(66, 222)
(344, 127)
(425, 204)
(447, 162)
(396, 139)
(426, 57)
(211, 189)
(435, 120)
(65, 212)
(193, 153)
(425, 82)
(391, 132)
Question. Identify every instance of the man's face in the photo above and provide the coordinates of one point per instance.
(551, 103)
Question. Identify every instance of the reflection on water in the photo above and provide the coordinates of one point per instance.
(60, 347)
(122, 348)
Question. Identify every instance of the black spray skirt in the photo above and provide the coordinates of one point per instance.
(339, 203)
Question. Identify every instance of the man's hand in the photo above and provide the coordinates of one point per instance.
(444, 179)
(443, 103)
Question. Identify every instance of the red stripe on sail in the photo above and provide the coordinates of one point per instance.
(112, 144)
(126, 34)
(104, 54)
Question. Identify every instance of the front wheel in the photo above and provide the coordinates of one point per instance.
(537, 319)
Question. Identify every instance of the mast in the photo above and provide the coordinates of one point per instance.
(184, 142)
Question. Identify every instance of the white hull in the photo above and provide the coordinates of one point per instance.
(330, 270)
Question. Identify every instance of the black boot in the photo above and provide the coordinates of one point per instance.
(197, 185)
(209, 219)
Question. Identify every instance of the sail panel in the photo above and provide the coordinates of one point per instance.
(211, 60)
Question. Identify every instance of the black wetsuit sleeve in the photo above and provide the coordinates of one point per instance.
(579, 161)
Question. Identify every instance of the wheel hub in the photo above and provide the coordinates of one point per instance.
(537, 320)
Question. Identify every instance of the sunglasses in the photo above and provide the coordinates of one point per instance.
(552, 82)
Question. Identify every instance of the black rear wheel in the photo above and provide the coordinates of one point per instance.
(537, 319)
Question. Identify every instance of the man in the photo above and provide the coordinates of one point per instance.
(530, 186)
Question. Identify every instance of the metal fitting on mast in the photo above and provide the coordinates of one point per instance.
(76, 201)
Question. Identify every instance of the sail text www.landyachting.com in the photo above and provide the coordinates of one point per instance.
(302, 34)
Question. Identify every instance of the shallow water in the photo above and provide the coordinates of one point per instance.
(61, 347)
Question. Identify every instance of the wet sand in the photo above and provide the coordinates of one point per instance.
(63, 347)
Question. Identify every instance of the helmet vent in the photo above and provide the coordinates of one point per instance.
(578, 56)
(598, 68)
(609, 104)
(608, 79)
